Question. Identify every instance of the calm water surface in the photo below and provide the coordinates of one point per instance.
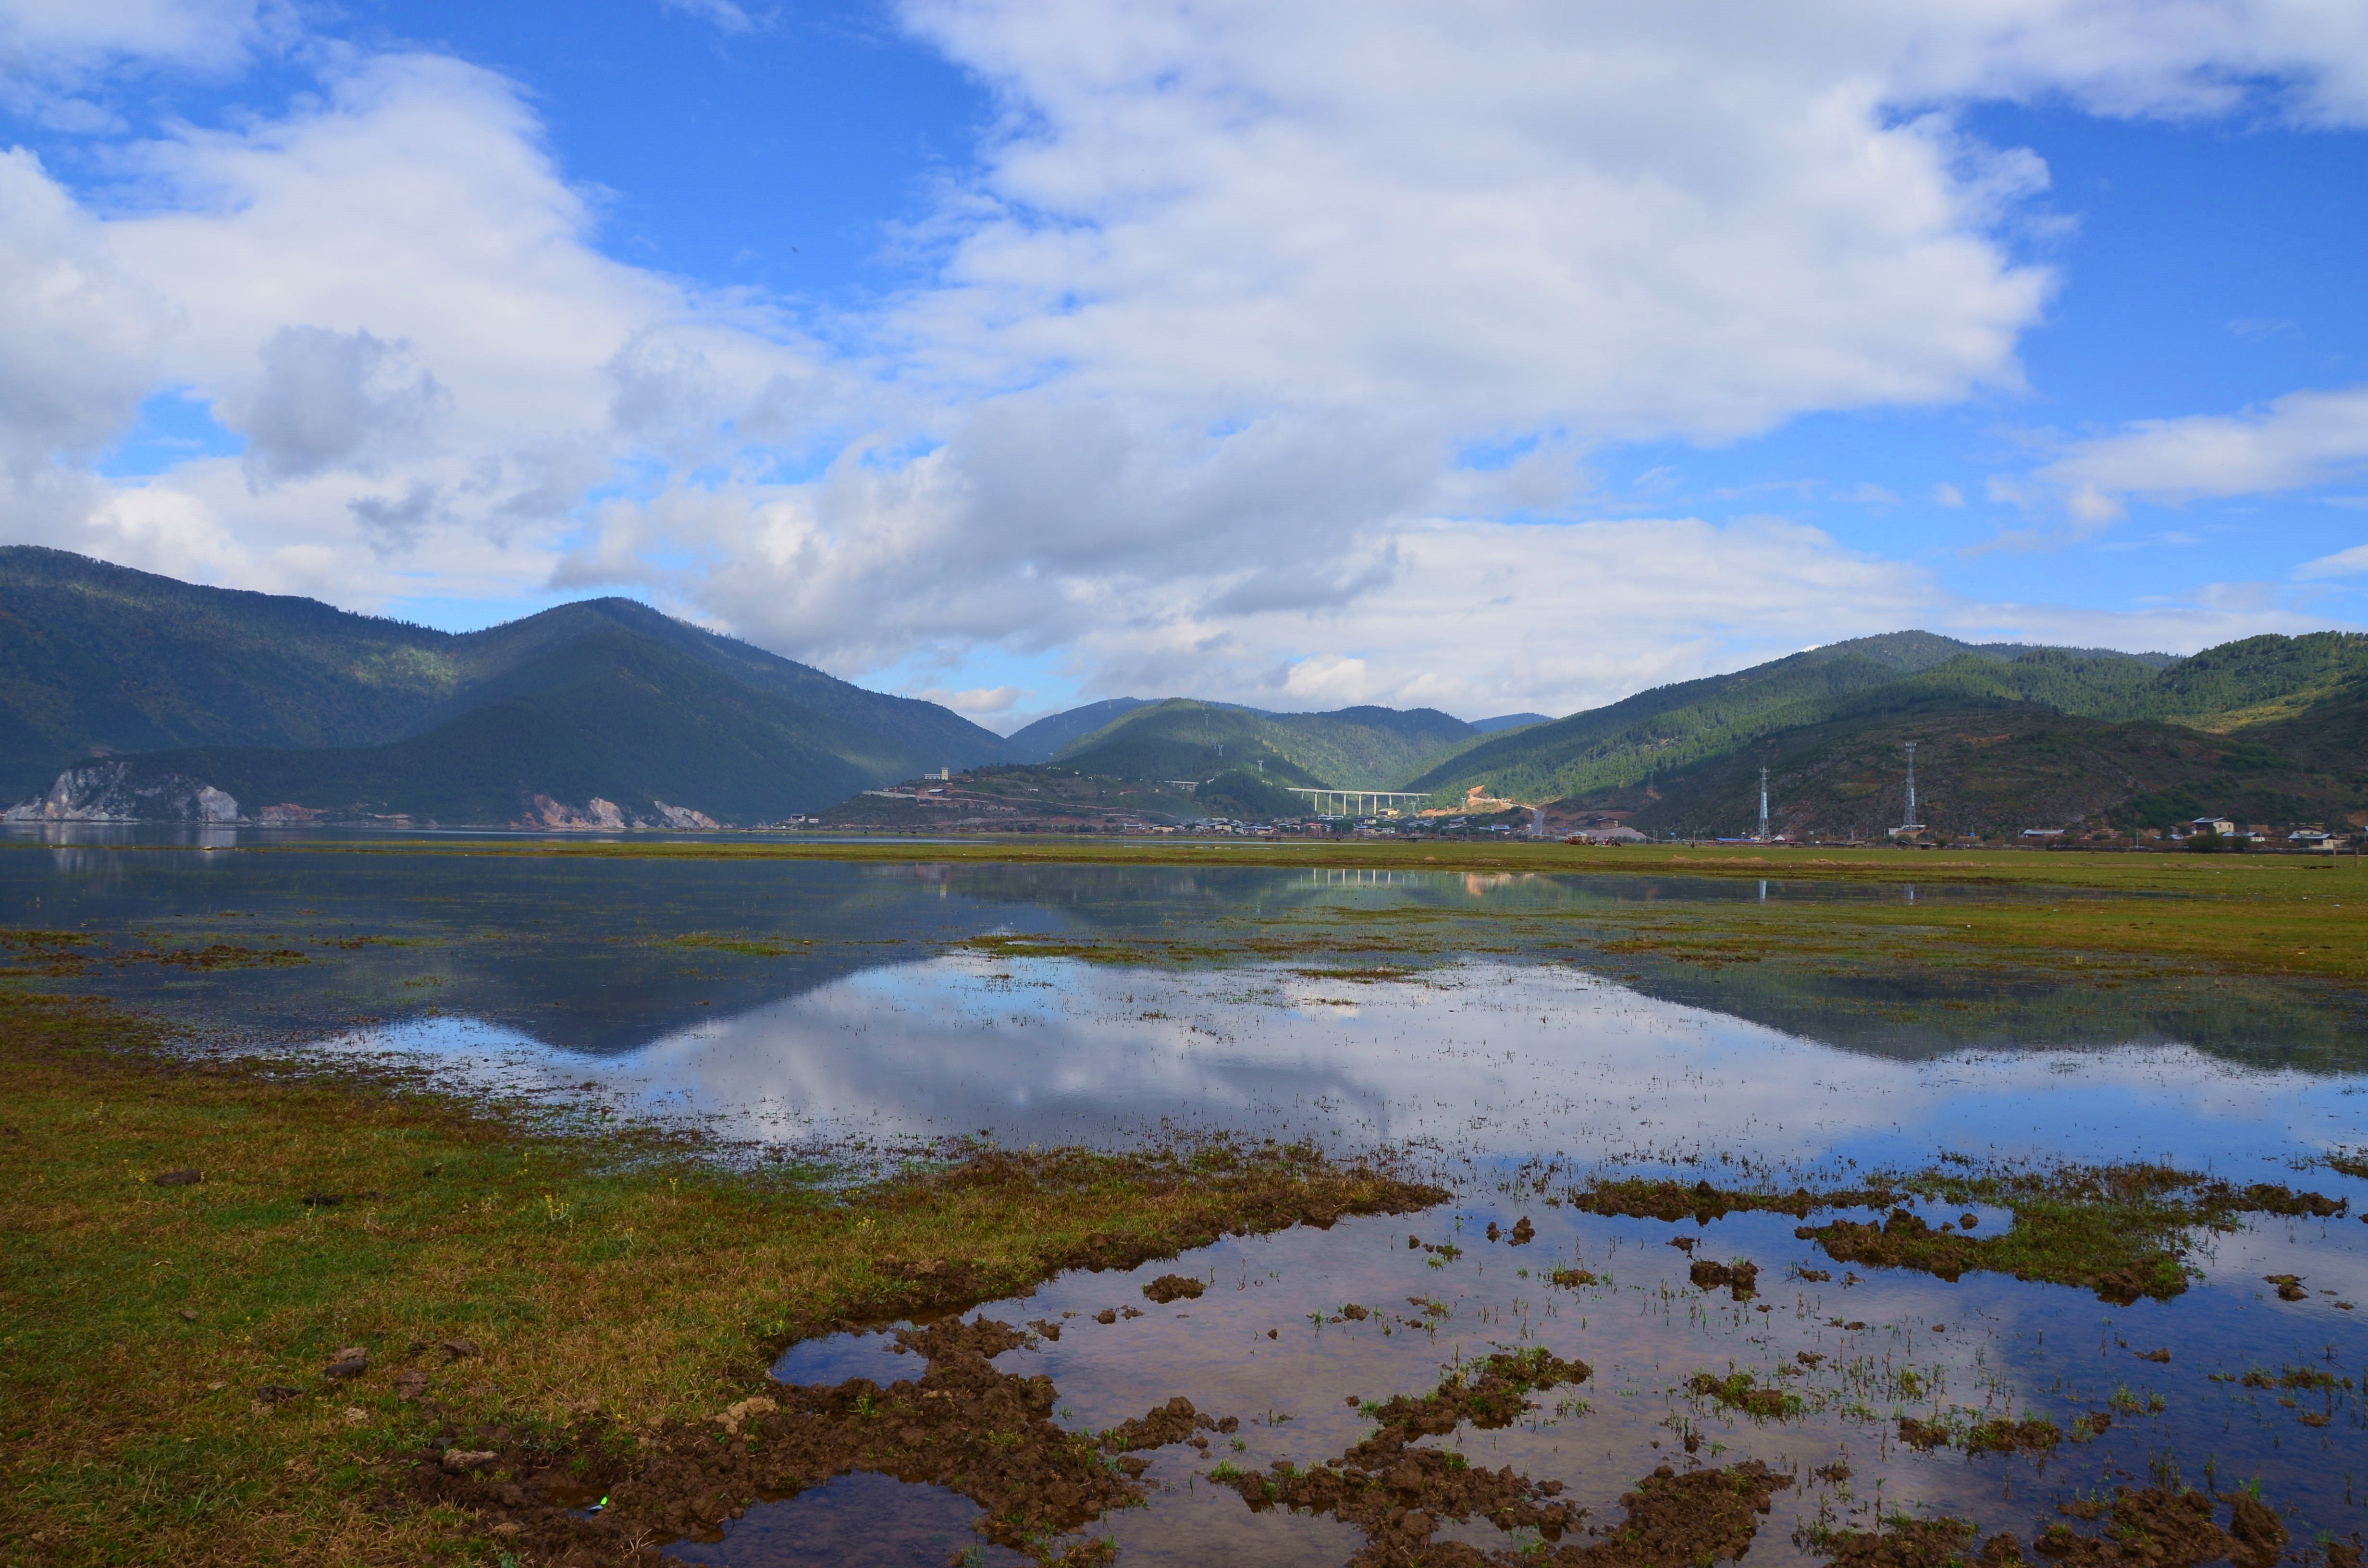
(1474, 1028)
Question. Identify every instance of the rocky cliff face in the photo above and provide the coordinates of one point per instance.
(605, 816)
(106, 792)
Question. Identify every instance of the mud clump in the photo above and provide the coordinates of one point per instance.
(2000, 1436)
(1172, 1287)
(1738, 1391)
(1902, 1240)
(1174, 1422)
(1905, 1241)
(2033, 1437)
(1922, 1436)
(2118, 1230)
(2268, 1197)
(1908, 1544)
(1636, 1199)
(2288, 1287)
(1571, 1278)
(2158, 1528)
(1702, 1516)
(1741, 1278)
(1398, 1493)
(2259, 1533)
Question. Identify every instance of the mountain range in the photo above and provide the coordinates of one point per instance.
(126, 695)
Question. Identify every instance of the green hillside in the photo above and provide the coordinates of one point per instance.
(97, 658)
(1672, 725)
(2256, 681)
(1039, 740)
(2270, 728)
(611, 716)
(1991, 770)
(1352, 748)
(286, 700)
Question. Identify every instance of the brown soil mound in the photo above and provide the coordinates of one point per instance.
(2155, 1529)
(2258, 1530)
(1739, 1391)
(1902, 1240)
(1702, 1202)
(1168, 1287)
(2033, 1437)
(2156, 1526)
(1171, 1422)
(1742, 1280)
(1398, 1493)
(1908, 1544)
(1922, 1435)
(1702, 1516)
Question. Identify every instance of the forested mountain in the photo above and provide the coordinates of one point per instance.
(287, 701)
(1671, 724)
(1354, 748)
(2272, 730)
(1039, 740)
(123, 694)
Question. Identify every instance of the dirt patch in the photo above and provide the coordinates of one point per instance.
(2259, 1533)
(1742, 1280)
(1170, 1287)
(2158, 1526)
(961, 1424)
(1908, 1544)
(1702, 1516)
(1639, 1200)
(2118, 1230)
(2002, 1437)
(1398, 1493)
(1739, 1391)
(1997, 1436)
(1174, 1422)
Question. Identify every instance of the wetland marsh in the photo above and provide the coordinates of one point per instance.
(1850, 1199)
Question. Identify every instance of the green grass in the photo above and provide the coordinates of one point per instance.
(619, 1270)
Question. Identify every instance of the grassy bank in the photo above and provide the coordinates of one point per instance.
(2119, 871)
(613, 1278)
(2046, 914)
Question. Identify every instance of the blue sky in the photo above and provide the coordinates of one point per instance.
(1297, 353)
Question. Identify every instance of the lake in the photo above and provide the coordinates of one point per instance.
(1491, 1033)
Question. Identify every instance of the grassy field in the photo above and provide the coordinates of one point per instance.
(609, 1281)
(2264, 915)
(2105, 871)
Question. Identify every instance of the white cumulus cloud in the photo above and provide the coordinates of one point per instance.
(2302, 439)
(1201, 338)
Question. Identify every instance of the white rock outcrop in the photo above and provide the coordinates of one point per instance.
(113, 791)
(683, 816)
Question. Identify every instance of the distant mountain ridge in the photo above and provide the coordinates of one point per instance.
(279, 701)
(124, 695)
(2249, 681)
(1364, 748)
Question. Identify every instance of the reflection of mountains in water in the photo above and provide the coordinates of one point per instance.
(1920, 1015)
(601, 955)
